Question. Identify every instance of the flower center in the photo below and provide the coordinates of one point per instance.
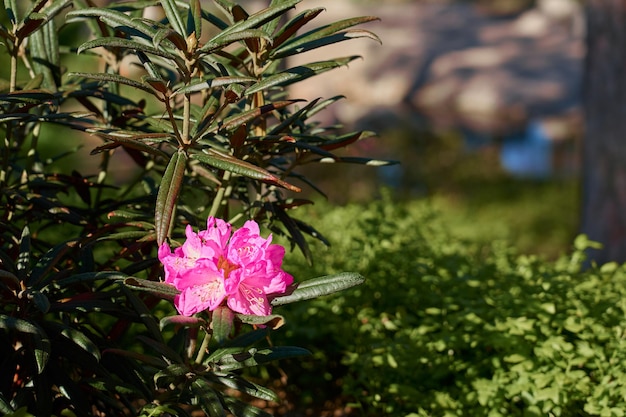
(226, 266)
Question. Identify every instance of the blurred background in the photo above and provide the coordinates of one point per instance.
(478, 101)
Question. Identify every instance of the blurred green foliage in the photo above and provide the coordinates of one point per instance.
(446, 326)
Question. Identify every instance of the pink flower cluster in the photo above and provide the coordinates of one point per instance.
(213, 265)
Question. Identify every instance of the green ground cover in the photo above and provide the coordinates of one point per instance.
(451, 322)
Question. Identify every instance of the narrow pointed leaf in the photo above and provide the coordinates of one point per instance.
(160, 289)
(195, 16)
(77, 337)
(239, 119)
(115, 78)
(167, 196)
(212, 83)
(322, 32)
(292, 27)
(241, 35)
(115, 19)
(242, 385)
(299, 73)
(208, 398)
(171, 12)
(258, 19)
(114, 42)
(327, 40)
(237, 166)
(181, 321)
(320, 286)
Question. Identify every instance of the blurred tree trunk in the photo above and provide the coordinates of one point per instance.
(604, 148)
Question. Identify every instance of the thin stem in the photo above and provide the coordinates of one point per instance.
(203, 347)
(186, 119)
(221, 193)
(14, 53)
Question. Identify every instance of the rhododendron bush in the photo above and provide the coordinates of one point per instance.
(140, 277)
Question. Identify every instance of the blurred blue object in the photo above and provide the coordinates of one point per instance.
(528, 154)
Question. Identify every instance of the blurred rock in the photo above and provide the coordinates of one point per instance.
(461, 65)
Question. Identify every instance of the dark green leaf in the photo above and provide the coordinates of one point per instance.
(41, 343)
(160, 289)
(257, 19)
(172, 374)
(273, 321)
(211, 83)
(298, 44)
(208, 399)
(223, 41)
(114, 42)
(77, 337)
(296, 74)
(195, 19)
(240, 384)
(292, 27)
(161, 348)
(167, 196)
(254, 357)
(320, 286)
(50, 260)
(181, 321)
(243, 409)
(237, 166)
(118, 20)
(174, 18)
(115, 78)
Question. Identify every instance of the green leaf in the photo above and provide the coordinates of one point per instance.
(320, 286)
(222, 320)
(256, 20)
(324, 36)
(77, 337)
(243, 409)
(239, 119)
(208, 398)
(273, 321)
(35, 19)
(115, 78)
(114, 42)
(41, 342)
(242, 385)
(194, 19)
(204, 84)
(237, 166)
(174, 18)
(172, 374)
(254, 357)
(181, 321)
(40, 275)
(296, 74)
(160, 289)
(167, 196)
(292, 27)
(115, 19)
(241, 35)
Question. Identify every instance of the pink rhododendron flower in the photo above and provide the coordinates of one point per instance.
(213, 265)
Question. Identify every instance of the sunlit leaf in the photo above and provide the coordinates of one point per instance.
(247, 387)
(318, 287)
(167, 196)
(222, 323)
(322, 36)
(296, 74)
(157, 288)
(240, 167)
(200, 85)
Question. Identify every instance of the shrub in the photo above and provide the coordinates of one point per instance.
(445, 327)
(195, 98)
